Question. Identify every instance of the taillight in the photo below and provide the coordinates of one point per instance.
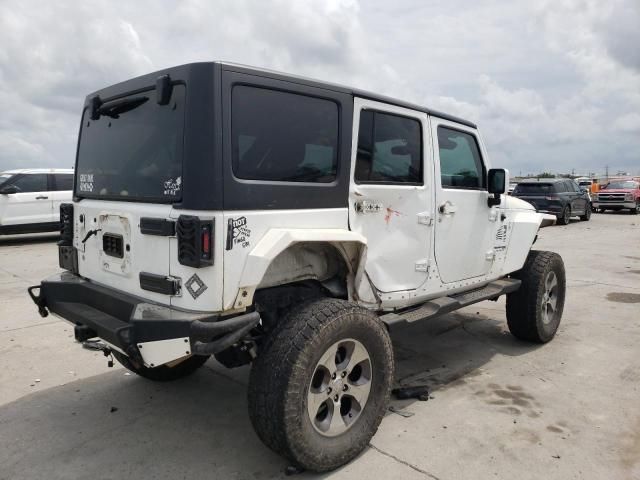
(66, 225)
(67, 254)
(205, 235)
(195, 245)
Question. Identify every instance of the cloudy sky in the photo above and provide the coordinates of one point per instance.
(554, 85)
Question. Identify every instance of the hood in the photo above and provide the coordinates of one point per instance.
(617, 190)
(514, 203)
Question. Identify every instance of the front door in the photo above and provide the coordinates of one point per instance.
(390, 197)
(465, 227)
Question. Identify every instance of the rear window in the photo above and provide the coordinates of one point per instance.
(134, 150)
(282, 136)
(530, 188)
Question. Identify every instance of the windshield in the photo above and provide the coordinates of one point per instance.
(533, 188)
(133, 151)
(629, 184)
(4, 177)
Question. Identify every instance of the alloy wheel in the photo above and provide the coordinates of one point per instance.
(339, 388)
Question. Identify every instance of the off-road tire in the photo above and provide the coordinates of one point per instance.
(163, 373)
(565, 216)
(525, 315)
(587, 214)
(281, 377)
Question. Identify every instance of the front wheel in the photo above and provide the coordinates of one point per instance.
(535, 309)
(636, 211)
(320, 385)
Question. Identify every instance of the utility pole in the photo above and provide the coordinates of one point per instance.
(606, 172)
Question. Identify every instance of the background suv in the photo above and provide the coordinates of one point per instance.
(30, 199)
(561, 197)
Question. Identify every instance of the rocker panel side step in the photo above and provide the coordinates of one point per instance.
(443, 305)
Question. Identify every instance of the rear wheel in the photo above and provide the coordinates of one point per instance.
(565, 216)
(163, 373)
(535, 309)
(320, 385)
(587, 213)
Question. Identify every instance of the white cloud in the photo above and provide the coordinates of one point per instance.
(549, 85)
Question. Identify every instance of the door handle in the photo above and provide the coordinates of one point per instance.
(41, 198)
(447, 208)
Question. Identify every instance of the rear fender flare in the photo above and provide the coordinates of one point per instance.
(350, 245)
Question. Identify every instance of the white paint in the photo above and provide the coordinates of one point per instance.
(397, 233)
(464, 230)
(164, 351)
(25, 208)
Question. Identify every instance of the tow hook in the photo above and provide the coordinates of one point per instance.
(99, 346)
(38, 300)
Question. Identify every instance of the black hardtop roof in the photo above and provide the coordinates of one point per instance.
(184, 71)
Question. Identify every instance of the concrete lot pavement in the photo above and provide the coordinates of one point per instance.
(500, 408)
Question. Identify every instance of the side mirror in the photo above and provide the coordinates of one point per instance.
(8, 190)
(497, 182)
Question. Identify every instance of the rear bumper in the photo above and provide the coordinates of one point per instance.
(130, 323)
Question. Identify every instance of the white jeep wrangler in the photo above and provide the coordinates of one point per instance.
(289, 223)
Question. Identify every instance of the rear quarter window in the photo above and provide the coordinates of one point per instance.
(282, 136)
(533, 188)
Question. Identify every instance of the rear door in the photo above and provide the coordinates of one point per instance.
(391, 193)
(465, 226)
(31, 205)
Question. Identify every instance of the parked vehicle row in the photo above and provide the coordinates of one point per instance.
(30, 199)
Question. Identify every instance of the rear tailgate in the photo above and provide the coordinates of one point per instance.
(112, 250)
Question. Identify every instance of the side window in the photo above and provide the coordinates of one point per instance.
(31, 183)
(561, 187)
(64, 182)
(281, 136)
(389, 149)
(460, 161)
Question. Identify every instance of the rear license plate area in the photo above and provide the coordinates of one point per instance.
(113, 245)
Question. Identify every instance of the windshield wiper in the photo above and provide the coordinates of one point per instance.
(116, 108)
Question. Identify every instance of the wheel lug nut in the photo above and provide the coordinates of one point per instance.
(333, 375)
(344, 388)
(336, 398)
(329, 390)
(344, 374)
